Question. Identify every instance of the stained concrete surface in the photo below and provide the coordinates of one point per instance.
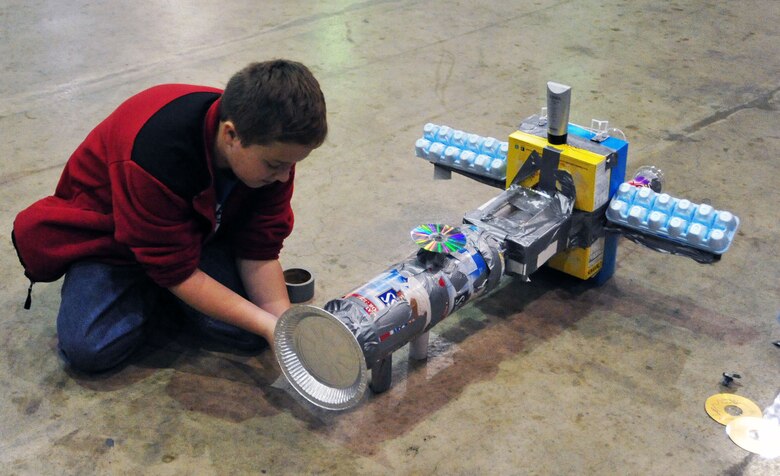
(550, 377)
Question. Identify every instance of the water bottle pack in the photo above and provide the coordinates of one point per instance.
(699, 226)
(443, 145)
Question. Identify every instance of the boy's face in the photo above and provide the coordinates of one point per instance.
(259, 165)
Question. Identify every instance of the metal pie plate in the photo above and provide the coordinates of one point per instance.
(320, 357)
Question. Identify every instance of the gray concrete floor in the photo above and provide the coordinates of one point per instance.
(550, 377)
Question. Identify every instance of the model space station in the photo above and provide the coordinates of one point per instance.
(564, 203)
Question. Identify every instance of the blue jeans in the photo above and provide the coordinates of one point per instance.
(107, 311)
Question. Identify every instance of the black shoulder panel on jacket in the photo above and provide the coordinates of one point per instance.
(170, 146)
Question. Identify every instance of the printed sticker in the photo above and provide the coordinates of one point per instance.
(388, 297)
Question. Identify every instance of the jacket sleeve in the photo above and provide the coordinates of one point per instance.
(160, 228)
(266, 223)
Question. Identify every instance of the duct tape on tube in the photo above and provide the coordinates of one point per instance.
(390, 310)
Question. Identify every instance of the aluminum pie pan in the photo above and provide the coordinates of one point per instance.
(320, 357)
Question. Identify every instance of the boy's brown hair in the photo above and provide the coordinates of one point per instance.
(275, 101)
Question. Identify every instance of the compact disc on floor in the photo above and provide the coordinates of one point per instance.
(724, 407)
(439, 238)
(755, 434)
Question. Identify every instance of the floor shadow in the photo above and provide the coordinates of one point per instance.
(468, 348)
(208, 377)
(512, 321)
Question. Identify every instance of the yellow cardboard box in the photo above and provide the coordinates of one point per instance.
(588, 169)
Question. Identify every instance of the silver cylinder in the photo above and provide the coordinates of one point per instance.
(558, 101)
(326, 353)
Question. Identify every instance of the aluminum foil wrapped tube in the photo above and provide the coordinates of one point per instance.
(414, 295)
(392, 309)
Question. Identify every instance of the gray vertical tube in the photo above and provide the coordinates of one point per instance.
(558, 101)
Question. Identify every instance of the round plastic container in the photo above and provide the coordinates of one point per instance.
(649, 176)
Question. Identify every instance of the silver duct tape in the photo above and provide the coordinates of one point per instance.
(326, 353)
(532, 225)
(415, 294)
(491, 250)
(385, 313)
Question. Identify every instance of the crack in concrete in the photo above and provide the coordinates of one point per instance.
(761, 102)
(12, 177)
(28, 100)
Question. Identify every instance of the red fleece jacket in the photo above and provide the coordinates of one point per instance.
(140, 189)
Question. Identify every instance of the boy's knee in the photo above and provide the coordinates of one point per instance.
(102, 315)
(91, 357)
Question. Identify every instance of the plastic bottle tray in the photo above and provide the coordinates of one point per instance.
(659, 214)
(485, 156)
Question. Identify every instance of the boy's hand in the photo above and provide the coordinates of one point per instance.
(264, 284)
(212, 298)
